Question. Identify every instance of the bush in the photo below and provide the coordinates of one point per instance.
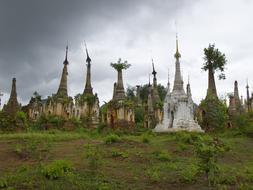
(139, 115)
(94, 157)
(112, 138)
(207, 153)
(214, 113)
(57, 169)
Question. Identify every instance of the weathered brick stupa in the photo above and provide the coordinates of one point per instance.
(87, 104)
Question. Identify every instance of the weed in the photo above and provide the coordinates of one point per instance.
(145, 138)
(112, 138)
(3, 183)
(181, 147)
(116, 154)
(154, 174)
(57, 169)
(189, 173)
(207, 153)
(162, 156)
(94, 157)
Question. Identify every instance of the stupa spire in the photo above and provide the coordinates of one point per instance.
(88, 88)
(155, 90)
(63, 89)
(248, 98)
(178, 82)
(189, 88)
(236, 91)
(177, 54)
(12, 106)
(168, 84)
(66, 56)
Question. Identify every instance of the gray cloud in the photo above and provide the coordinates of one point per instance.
(34, 33)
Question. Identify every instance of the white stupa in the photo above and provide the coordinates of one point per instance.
(178, 106)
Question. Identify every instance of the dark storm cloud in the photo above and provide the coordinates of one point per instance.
(33, 35)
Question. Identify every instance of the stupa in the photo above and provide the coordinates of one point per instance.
(178, 105)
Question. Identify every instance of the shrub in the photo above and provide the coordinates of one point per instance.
(112, 138)
(94, 157)
(139, 115)
(21, 116)
(214, 113)
(57, 169)
(207, 153)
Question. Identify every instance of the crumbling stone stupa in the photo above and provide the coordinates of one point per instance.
(120, 112)
(87, 104)
(59, 104)
(235, 104)
(178, 106)
(12, 107)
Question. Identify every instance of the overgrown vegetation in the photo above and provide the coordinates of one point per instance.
(104, 158)
(213, 114)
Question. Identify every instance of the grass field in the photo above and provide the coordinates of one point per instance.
(93, 159)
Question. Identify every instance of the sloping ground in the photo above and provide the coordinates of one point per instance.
(107, 161)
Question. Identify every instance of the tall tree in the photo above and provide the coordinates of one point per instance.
(215, 61)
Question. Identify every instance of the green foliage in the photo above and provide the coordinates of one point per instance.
(243, 124)
(144, 92)
(207, 153)
(112, 138)
(214, 114)
(94, 157)
(139, 114)
(3, 183)
(47, 122)
(130, 93)
(154, 174)
(189, 173)
(7, 123)
(81, 99)
(162, 156)
(104, 108)
(77, 122)
(116, 154)
(33, 149)
(120, 66)
(21, 116)
(145, 138)
(57, 169)
(162, 91)
(214, 60)
(56, 121)
(190, 137)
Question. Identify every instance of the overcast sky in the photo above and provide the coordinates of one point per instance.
(34, 33)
